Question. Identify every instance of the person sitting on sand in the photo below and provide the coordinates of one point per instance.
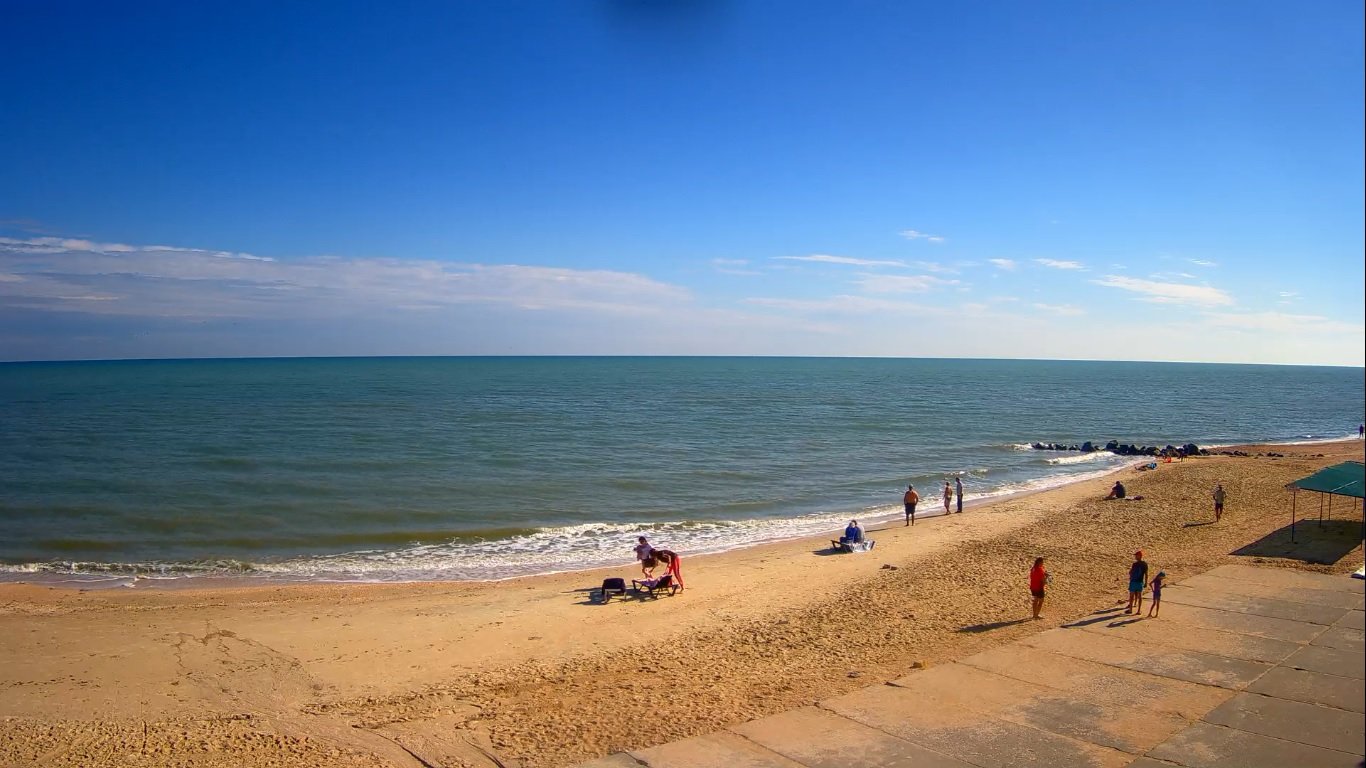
(853, 533)
(1117, 492)
(1138, 581)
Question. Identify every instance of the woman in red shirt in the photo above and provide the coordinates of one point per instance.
(1038, 578)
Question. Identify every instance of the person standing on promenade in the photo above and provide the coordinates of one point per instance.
(1158, 581)
(948, 497)
(1138, 581)
(1219, 497)
(910, 499)
(958, 491)
(1038, 579)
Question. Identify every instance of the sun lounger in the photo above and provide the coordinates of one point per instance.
(611, 587)
(852, 546)
(653, 587)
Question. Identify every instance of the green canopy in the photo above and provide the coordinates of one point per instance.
(1343, 479)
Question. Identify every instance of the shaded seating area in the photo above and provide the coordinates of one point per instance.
(1344, 480)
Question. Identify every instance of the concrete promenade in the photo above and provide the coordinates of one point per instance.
(1246, 667)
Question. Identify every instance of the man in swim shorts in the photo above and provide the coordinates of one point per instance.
(1138, 581)
(911, 499)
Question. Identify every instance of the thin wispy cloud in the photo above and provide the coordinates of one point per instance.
(912, 234)
(1168, 276)
(1008, 265)
(822, 258)
(734, 267)
(1056, 264)
(902, 283)
(1168, 293)
(1282, 323)
(1064, 310)
(932, 266)
(1203, 262)
(859, 305)
(168, 282)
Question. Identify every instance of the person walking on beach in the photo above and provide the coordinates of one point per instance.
(1038, 579)
(1138, 581)
(1219, 497)
(948, 497)
(958, 491)
(646, 555)
(910, 499)
(1158, 581)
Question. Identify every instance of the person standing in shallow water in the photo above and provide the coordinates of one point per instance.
(911, 498)
(958, 492)
(948, 497)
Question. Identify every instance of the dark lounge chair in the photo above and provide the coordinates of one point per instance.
(611, 587)
(653, 587)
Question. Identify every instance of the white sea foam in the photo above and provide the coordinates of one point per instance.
(1083, 458)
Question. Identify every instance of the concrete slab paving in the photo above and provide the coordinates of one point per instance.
(1330, 661)
(1093, 681)
(1342, 638)
(1293, 721)
(1287, 579)
(818, 738)
(1191, 666)
(1353, 620)
(1191, 638)
(969, 735)
(1347, 693)
(1238, 586)
(1204, 745)
(1242, 623)
(721, 749)
(1259, 606)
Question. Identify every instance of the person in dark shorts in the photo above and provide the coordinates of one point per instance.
(1219, 497)
(1138, 581)
(1158, 581)
(910, 499)
(1038, 580)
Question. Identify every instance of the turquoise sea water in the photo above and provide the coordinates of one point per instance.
(469, 468)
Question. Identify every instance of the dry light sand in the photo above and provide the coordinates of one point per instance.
(531, 673)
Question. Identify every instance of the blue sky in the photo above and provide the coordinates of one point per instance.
(1080, 180)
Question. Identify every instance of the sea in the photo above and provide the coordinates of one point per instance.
(174, 472)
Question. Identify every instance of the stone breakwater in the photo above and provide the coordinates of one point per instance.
(1125, 449)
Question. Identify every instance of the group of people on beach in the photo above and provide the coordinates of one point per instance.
(1039, 579)
(953, 492)
(651, 558)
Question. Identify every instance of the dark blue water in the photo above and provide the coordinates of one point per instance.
(403, 468)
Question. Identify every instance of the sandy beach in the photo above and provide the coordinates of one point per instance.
(532, 672)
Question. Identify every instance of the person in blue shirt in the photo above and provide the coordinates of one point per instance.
(853, 534)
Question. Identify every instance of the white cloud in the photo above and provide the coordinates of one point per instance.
(1168, 293)
(901, 283)
(1056, 264)
(734, 267)
(1282, 323)
(822, 258)
(911, 234)
(157, 281)
(1065, 310)
(1006, 264)
(843, 304)
(1168, 276)
(931, 266)
(1203, 263)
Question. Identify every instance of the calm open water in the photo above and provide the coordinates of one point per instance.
(472, 468)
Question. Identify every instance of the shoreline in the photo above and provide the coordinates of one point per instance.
(536, 672)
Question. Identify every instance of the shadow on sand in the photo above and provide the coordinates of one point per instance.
(1316, 543)
(976, 628)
